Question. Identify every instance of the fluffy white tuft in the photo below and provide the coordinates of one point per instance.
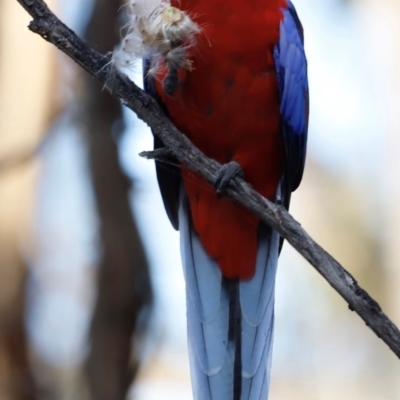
(156, 29)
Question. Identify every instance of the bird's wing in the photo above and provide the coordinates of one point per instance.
(291, 66)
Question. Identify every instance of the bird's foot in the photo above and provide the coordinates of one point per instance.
(226, 173)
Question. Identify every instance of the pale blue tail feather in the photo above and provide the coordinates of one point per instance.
(212, 350)
(257, 303)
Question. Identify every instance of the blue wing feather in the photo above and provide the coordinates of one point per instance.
(291, 66)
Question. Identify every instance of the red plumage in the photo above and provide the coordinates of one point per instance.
(229, 107)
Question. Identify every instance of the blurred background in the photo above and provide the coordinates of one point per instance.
(91, 290)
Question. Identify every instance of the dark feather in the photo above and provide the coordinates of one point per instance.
(168, 174)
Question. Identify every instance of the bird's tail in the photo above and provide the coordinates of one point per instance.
(230, 322)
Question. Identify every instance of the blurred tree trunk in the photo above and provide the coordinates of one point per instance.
(124, 289)
(24, 117)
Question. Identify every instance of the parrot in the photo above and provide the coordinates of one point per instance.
(237, 86)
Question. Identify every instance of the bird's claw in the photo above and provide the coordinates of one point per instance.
(226, 173)
(171, 82)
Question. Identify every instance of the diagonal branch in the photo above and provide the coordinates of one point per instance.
(53, 30)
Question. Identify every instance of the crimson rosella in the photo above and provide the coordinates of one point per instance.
(232, 76)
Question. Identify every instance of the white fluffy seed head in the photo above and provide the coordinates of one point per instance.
(156, 28)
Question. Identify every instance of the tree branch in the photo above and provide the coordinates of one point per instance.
(99, 66)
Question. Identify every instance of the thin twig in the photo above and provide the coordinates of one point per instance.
(54, 31)
(159, 154)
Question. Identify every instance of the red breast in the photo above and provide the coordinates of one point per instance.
(229, 107)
